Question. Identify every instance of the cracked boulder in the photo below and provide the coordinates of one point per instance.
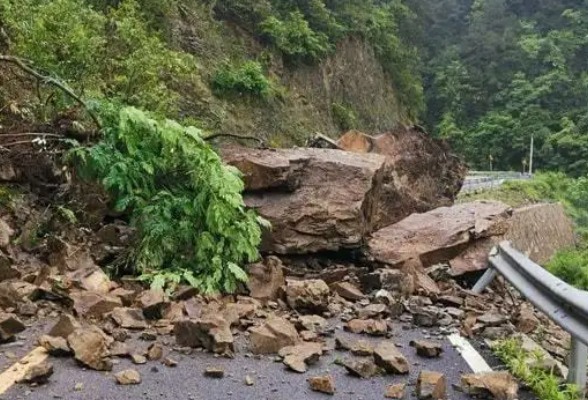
(438, 235)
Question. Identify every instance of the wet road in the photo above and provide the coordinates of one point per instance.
(272, 381)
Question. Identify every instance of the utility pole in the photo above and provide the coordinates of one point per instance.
(531, 156)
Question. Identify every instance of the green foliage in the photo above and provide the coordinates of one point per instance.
(186, 204)
(546, 385)
(245, 78)
(294, 37)
(344, 116)
(571, 265)
(111, 53)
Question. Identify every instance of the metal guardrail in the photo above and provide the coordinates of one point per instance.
(564, 304)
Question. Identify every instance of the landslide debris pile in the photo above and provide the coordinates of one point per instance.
(318, 200)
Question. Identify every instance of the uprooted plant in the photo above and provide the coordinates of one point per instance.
(185, 203)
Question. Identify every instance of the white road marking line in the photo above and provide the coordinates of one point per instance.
(469, 354)
(17, 371)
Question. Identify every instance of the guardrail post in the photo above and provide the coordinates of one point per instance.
(578, 359)
(484, 281)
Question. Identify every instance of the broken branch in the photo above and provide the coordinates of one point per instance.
(50, 81)
(216, 135)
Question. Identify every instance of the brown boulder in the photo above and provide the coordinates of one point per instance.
(315, 199)
(274, 335)
(347, 290)
(7, 270)
(388, 357)
(323, 384)
(427, 349)
(308, 295)
(10, 325)
(213, 333)
(129, 318)
(94, 305)
(6, 232)
(153, 303)
(431, 386)
(38, 373)
(363, 368)
(370, 326)
(496, 385)
(266, 279)
(438, 235)
(65, 326)
(90, 348)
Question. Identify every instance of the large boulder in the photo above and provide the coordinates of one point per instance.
(439, 235)
(315, 199)
(421, 172)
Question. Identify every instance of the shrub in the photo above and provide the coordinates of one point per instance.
(186, 205)
(246, 78)
(344, 116)
(294, 37)
(571, 265)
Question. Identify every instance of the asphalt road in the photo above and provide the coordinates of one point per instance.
(272, 381)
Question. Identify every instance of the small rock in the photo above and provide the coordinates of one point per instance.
(427, 349)
(152, 302)
(492, 319)
(275, 334)
(298, 357)
(364, 368)
(56, 346)
(94, 305)
(10, 325)
(155, 352)
(451, 301)
(38, 374)
(347, 290)
(526, 321)
(129, 318)
(265, 280)
(395, 391)
(249, 381)
(90, 348)
(425, 317)
(308, 295)
(323, 384)
(138, 359)
(64, 327)
(369, 326)
(214, 372)
(343, 344)
(168, 362)
(362, 348)
(313, 323)
(496, 385)
(373, 311)
(213, 333)
(308, 336)
(388, 357)
(431, 386)
(128, 377)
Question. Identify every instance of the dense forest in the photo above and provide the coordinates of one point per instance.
(498, 72)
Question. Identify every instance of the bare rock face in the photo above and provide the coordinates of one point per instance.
(274, 335)
(421, 172)
(495, 385)
(266, 279)
(431, 386)
(438, 235)
(388, 357)
(90, 348)
(316, 199)
(210, 332)
(308, 295)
